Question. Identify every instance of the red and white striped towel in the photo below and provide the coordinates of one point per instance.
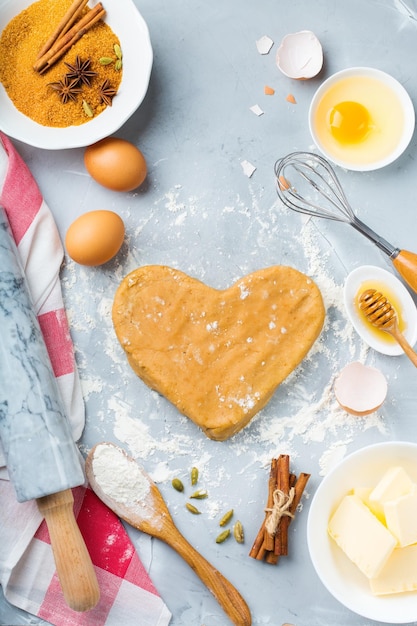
(27, 570)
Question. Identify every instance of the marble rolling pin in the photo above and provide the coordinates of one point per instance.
(42, 459)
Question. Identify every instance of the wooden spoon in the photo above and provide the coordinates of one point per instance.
(380, 313)
(127, 490)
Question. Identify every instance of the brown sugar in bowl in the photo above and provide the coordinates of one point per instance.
(133, 34)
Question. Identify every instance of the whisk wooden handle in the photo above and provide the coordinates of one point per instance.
(312, 187)
(406, 265)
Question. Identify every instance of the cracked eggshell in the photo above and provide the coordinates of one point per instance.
(300, 55)
(359, 389)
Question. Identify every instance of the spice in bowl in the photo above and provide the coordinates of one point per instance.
(65, 75)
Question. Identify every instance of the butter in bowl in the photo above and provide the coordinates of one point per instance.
(362, 532)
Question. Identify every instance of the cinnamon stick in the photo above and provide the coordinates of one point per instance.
(64, 43)
(272, 486)
(271, 558)
(74, 18)
(69, 18)
(279, 478)
(257, 544)
(280, 547)
(256, 550)
(299, 486)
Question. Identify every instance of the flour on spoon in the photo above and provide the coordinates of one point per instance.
(120, 478)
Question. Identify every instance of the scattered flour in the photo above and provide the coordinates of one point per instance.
(303, 409)
(335, 453)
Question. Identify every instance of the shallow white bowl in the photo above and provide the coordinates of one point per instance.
(127, 23)
(408, 309)
(338, 574)
(408, 111)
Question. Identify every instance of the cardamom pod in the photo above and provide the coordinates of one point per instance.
(105, 60)
(238, 532)
(87, 109)
(177, 484)
(194, 476)
(223, 536)
(117, 50)
(226, 518)
(200, 494)
(118, 65)
(193, 509)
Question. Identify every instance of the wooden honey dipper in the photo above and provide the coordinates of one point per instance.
(380, 313)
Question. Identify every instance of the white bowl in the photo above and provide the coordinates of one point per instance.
(338, 574)
(408, 311)
(127, 23)
(358, 156)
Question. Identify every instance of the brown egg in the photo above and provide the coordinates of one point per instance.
(95, 237)
(116, 164)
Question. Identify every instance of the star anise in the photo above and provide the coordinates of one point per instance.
(81, 72)
(107, 93)
(67, 89)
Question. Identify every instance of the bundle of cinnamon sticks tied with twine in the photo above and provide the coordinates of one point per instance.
(70, 29)
(284, 494)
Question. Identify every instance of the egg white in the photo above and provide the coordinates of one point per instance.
(387, 119)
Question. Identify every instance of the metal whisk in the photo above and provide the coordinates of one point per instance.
(307, 183)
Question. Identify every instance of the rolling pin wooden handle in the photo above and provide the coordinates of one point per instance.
(73, 563)
(406, 265)
(227, 596)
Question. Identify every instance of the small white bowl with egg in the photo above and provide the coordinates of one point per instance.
(361, 118)
(373, 277)
(342, 578)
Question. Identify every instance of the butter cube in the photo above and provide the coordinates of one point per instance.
(363, 538)
(363, 493)
(399, 574)
(401, 518)
(394, 484)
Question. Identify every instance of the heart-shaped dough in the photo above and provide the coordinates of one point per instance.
(217, 355)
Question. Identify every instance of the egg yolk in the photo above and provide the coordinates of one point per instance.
(349, 122)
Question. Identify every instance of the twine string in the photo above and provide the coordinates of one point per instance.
(282, 502)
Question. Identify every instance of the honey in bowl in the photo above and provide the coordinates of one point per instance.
(381, 335)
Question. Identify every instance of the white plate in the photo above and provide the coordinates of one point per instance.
(338, 574)
(127, 23)
(408, 311)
